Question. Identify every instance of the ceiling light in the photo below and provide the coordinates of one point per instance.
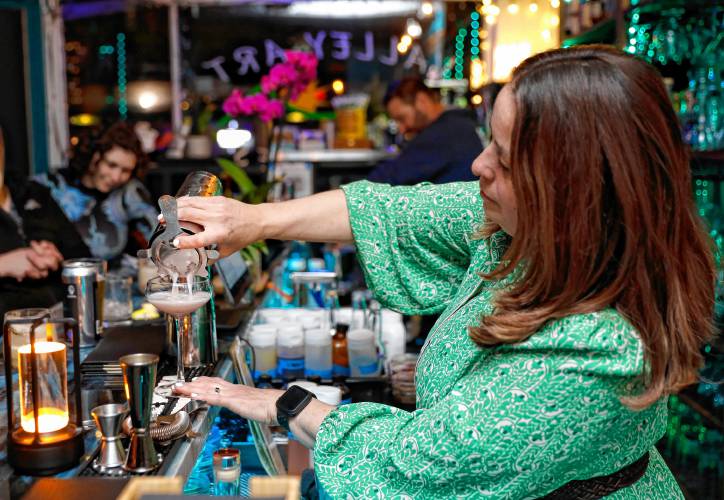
(413, 28)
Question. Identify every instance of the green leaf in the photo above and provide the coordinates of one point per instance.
(240, 177)
(261, 193)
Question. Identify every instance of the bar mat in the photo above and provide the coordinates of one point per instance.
(87, 469)
(121, 340)
(102, 367)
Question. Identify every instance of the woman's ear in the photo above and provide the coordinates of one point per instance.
(93, 162)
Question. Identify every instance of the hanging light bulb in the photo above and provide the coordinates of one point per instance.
(533, 7)
(426, 9)
(513, 8)
(413, 28)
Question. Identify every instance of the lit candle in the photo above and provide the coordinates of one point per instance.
(52, 387)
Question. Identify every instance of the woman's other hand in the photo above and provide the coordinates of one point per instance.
(46, 255)
(19, 264)
(251, 403)
(228, 223)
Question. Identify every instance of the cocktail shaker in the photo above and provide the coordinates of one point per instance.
(201, 348)
(169, 260)
(139, 379)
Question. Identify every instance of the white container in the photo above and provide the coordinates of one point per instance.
(263, 339)
(362, 352)
(318, 353)
(304, 384)
(290, 352)
(265, 328)
(272, 315)
(310, 322)
(327, 394)
(393, 335)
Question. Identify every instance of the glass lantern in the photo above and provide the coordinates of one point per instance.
(42, 437)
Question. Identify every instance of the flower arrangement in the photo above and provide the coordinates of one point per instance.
(285, 81)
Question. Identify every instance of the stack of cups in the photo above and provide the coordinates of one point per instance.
(263, 338)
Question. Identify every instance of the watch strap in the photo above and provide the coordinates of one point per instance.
(286, 414)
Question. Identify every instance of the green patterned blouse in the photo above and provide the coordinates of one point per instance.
(510, 422)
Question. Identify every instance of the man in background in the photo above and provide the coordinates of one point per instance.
(444, 142)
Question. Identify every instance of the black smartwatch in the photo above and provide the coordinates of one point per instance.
(291, 403)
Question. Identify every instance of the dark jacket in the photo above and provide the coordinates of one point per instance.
(42, 219)
(442, 152)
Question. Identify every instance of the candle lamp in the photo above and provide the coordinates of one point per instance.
(42, 438)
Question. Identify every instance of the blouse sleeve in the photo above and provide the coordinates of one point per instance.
(412, 241)
(137, 201)
(526, 425)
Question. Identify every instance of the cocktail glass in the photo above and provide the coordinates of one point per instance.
(178, 298)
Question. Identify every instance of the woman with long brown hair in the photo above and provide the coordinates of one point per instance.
(571, 311)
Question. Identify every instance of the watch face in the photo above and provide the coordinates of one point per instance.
(293, 400)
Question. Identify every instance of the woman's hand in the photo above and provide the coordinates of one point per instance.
(251, 403)
(228, 223)
(45, 255)
(232, 225)
(30, 262)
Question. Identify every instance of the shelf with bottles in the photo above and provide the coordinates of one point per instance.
(684, 40)
(694, 450)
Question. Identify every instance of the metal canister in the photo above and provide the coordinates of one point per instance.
(101, 272)
(82, 283)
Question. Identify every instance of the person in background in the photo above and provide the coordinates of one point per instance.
(444, 142)
(24, 263)
(101, 195)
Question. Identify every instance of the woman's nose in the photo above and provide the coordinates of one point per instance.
(480, 169)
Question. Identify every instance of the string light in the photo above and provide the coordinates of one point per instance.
(555, 4)
(513, 8)
(459, 53)
(121, 75)
(477, 100)
(426, 8)
(533, 7)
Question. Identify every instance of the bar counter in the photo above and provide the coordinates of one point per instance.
(179, 457)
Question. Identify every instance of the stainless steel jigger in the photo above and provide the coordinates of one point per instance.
(139, 379)
(109, 418)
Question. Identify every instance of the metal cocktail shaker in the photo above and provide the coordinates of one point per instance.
(161, 251)
(84, 281)
(139, 379)
(201, 348)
